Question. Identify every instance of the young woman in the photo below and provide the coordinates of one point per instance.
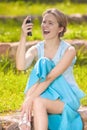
(51, 93)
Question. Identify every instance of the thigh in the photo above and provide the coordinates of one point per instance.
(53, 106)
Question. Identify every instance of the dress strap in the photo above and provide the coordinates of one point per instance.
(40, 49)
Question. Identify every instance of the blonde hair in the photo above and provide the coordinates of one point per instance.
(61, 19)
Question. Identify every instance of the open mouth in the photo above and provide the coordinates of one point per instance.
(46, 32)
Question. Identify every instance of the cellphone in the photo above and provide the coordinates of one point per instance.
(29, 21)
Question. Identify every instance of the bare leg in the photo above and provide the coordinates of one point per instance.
(40, 115)
(43, 106)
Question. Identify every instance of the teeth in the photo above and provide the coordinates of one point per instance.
(46, 31)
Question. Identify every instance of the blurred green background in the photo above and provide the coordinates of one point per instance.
(12, 13)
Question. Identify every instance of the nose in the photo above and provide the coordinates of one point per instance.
(45, 24)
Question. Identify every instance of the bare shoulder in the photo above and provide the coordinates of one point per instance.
(71, 49)
(32, 50)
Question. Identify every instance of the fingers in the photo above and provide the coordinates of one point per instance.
(22, 114)
(28, 115)
(29, 118)
(28, 17)
(26, 27)
(26, 112)
(23, 110)
(26, 109)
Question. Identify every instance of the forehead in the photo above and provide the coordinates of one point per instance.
(49, 17)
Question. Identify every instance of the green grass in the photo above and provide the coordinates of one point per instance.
(25, 8)
(76, 31)
(80, 73)
(12, 84)
(12, 88)
(10, 31)
(11, 91)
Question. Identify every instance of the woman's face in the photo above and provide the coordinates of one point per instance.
(50, 27)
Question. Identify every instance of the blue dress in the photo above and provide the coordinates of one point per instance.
(63, 87)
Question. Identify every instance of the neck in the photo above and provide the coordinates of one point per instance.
(52, 43)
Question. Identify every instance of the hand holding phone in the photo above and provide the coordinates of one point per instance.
(29, 21)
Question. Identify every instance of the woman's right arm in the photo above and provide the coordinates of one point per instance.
(23, 59)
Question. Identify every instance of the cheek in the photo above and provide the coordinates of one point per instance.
(55, 30)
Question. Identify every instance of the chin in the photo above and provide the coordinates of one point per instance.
(46, 37)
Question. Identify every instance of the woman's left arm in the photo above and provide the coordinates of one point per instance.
(64, 63)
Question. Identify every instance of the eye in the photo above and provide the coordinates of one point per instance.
(51, 23)
(43, 22)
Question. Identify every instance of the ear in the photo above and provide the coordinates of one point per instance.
(60, 29)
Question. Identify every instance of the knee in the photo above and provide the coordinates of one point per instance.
(38, 103)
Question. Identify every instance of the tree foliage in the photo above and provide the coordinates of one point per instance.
(46, 1)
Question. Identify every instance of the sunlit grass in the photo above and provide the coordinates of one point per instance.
(25, 8)
(76, 31)
(10, 31)
(80, 75)
(11, 90)
(81, 78)
(12, 84)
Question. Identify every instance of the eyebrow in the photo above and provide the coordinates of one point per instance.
(49, 21)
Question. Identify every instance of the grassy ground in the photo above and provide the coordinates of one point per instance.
(10, 29)
(11, 91)
(80, 73)
(12, 84)
(11, 33)
(25, 8)
(12, 87)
